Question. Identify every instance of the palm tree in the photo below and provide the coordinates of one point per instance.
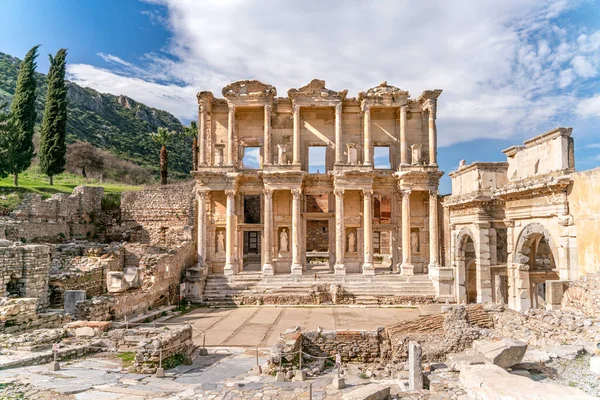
(163, 137)
(192, 131)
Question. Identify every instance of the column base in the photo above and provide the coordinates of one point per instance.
(407, 269)
(229, 269)
(339, 269)
(267, 269)
(368, 269)
(296, 269)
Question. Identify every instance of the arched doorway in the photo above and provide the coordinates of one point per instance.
(537, 250)
(467, 266)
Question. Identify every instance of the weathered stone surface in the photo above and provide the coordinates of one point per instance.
(505, 353)
(368, 392)
(490, 382)
(71, 298)
(85, 331)
(458, 361)
(415, 369)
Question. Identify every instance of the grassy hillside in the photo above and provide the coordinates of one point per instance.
(33, 181)
(114, 123)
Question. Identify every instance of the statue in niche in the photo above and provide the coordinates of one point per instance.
(352, 154)
(220, 242)
(415, 153)
(281, 153)
(283, 241)
(414, 241)
(351, 242)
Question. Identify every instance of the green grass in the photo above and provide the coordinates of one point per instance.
(127, 357)
(32, 181)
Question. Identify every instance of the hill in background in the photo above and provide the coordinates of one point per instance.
(117, 124)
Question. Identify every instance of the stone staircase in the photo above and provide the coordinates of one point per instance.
(250, 288)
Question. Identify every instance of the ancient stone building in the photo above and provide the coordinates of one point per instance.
(514, 225)
(317, 181)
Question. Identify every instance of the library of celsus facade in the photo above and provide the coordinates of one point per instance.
(318, 181)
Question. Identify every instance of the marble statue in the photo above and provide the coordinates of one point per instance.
(220, 242)
(351, 242)
(283, 241)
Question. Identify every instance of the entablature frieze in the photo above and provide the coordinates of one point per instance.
(419, 179)
(532, 187)
(282, 180)
(216, 180)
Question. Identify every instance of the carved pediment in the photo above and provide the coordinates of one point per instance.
(316, 88)
(383, 91)
(249, 88)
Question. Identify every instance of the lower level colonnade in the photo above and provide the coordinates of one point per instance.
(278, 231)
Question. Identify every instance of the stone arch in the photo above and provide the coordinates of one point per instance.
(536, 255)
(466, 263)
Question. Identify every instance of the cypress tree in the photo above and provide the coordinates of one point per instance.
(53, 148)
(23, 114)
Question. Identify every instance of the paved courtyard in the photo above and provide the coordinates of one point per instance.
(261, 326)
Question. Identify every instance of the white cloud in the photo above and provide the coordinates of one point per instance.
(501, 64)
(589, 107)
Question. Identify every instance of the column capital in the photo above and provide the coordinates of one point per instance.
(295, 108)
(203, 194)
(431, 108)
(368, 193)
(231, 106)
(404, 108)
(338, 192)
(406, 192)
(268, 108)
(434, 193)
(338, 108)
(231, 192)
(366, 108)
(268, 193)
(203, 109)
(296, 193)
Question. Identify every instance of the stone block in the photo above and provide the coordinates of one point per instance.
(595, 364)
(115, 282)
(415, 371)
(338, 383)
(554, 292)
(133, 277)
(368, 392)
(458, 361)
(85, 331)
(505, 353)
(71, 298)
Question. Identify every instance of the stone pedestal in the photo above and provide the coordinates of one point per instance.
(338, 383)
(115, 282)
(554, 294)
(280, 377)
(299, 376)
(160, 372)
(443, 281)
(415, 369)
(71, 298)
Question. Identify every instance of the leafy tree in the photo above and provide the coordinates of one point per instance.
(53, 148)
(23, 115)
(8, 134)
(163, 137)
(192, 131)
(83, 157)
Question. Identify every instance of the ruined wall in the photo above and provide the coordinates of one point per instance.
(22, 314)
(24, 271)
(353, 346)
(58, 218)
(162, 215)
(82, 266)
(584, 206)
(163, 274)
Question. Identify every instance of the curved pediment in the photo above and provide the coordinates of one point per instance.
(383, 91)
(249, 88)
(316, 89)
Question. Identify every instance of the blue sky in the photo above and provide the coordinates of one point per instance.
(509, 70)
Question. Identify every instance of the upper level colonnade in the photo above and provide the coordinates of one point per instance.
(382, 128)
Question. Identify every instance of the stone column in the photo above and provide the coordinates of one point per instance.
(403, 146)
(407, 267)
(201, 239)
(230, 134)
(267, 146)
(434, 243)
(296, 136)
(432, 136)
(367, 160)
(267, 268)
(230, 268)
(415, 368)
(338, 133)
(202, 135)
(368, 268)
(296, 263)
(340, 268)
